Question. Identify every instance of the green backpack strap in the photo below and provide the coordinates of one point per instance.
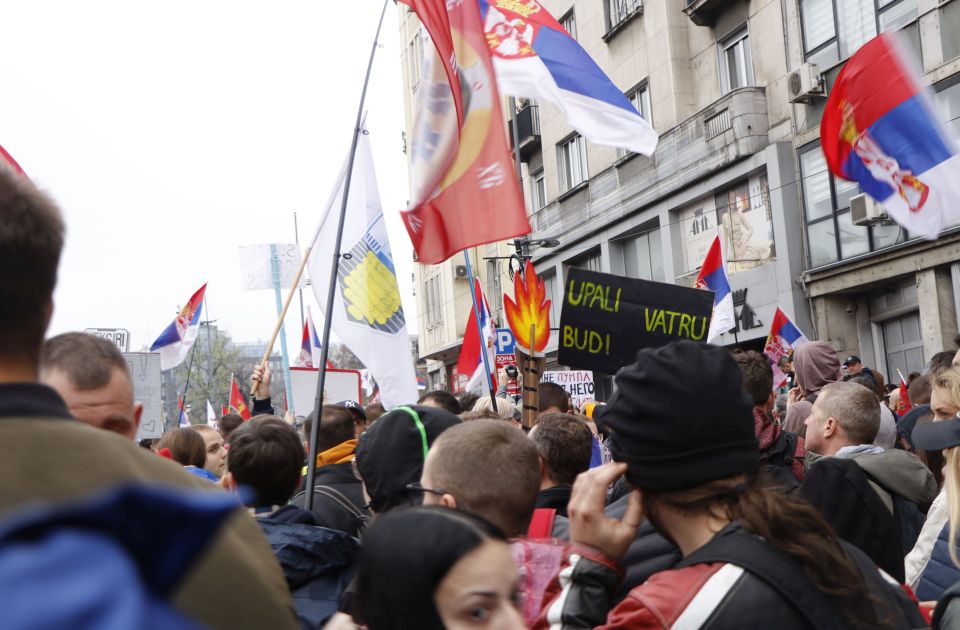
(416, 421)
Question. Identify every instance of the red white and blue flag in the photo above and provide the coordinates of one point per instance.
(783, 339)
(310, 345)
(880, 130)
(713, 276)
(476, 341)
(534, 57)
(184, 418)
(175, 341)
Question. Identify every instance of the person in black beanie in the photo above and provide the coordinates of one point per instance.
(754, 556)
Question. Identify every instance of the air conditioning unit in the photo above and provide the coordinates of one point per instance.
(460, 272)
(865, 211)
(805, 84)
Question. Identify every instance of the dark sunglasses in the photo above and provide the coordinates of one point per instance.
(416, 492)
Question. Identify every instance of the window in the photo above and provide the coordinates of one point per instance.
(550, 288)
(590, 262)
(572, 162)
(736, 68)
(619, 10)
(538, 191)
(414, 60)
(643, 256)
(569, 23)
(834, 29)
(950, 30)
(432, 301)
(640, 97)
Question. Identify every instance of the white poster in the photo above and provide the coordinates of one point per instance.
(698, 226)
(145, 372)
(340, 385)
(578, 383)
(257, 270)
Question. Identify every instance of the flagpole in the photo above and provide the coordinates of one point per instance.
(186, 386)
(476, 318)
(334, 267)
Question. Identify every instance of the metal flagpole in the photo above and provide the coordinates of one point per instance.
(476, 318)
(186, 386)
(334, 267)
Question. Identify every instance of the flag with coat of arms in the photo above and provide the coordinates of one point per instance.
(177, 338)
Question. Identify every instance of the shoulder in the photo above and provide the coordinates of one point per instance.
(670, 595)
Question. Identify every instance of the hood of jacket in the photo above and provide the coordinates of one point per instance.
(308, 551)
(815, 364)
(901, 473)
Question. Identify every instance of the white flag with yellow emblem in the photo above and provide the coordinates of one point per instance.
(367, 314)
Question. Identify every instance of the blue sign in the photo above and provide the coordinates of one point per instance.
(505, 343)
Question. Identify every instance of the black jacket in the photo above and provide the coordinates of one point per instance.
(556, 497)
(327, 507)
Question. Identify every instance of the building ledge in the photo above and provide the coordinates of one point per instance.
(573, 191)
(704, 12)
(622, 24)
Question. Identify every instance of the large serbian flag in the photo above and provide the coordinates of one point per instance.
(464, 190)
(534, 57)
(713, 277)
(879, 129)
(783, 339)
(177, 338)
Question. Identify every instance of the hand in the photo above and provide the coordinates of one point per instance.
(260, 382)
(795, 395)
(589, 525)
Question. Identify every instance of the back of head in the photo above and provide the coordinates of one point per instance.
(504, 407)
(442, 399)
(940, 361)
(854, 407)
(228, 424)
(757, 376)
(31, 239)
(390, 454)
(486, 414)
(405, 556)
(87, 361)
(374, 411)
(336, 427)
(565, 444)
(491, 469)
(467, 400)
(866, 381)
(266, 454)
(919, 390)
(554, 398)
(187, 447)
(815, 364)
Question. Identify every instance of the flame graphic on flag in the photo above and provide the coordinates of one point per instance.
(531, 308)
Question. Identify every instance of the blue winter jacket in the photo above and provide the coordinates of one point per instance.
(940, 573)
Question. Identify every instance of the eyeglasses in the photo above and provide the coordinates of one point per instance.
(417, 492)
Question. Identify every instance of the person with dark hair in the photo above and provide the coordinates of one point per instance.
(430, 568)
(565, 444)
(374, 411)
(93, 378)
(216, 462)
(443, 400)
(485, 467)
(184, 446)
(919, 390)
(359, 415)
(48, 457)
(754, 556)
(228, 424)
(874, 498)
(264, 465)
(467, 400)
(887, 431)
(940, 361)
(782, 452)
(553, 398)
(815, 364)
(338, 501)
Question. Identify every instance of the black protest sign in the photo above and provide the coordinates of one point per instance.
(606, 318)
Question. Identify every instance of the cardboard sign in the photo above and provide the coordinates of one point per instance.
(606, 318)
(578, 383)
(145, 373)
(340, 385)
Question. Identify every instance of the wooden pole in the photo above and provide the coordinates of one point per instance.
(531, 383)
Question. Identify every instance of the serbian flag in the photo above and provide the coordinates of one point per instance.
(534, 57)
(783, 339)
(476, 341)
(464, 191)
(237, 402)
(184, 418)
(310, 345)
(713, 276)
(7, 160)
(880, 130)
(175, 341)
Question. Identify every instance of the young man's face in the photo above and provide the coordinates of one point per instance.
(814, 439)
(110, 407)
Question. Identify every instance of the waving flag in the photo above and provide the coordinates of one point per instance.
(175, 341)
(366, 313)
(211, 416)
(310, 345)
(880, 130)
(184, 418)
(7, 160)
(713, 276)
(238, 403)
(534, 57)
(783, 339)
(464, 190)
(471, 359)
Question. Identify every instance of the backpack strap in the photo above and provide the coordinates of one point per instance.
(541, 525)
(776, 569)
(340, 499)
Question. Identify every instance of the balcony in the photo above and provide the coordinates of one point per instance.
(730, 129)
(528, 130)
(704, 12)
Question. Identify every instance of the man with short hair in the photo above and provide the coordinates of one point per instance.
(874, 499)
(264, 461)
(443, 400)
(338, 501)
(485, 467)
(93, 378)
(55, 460)
(358, 413)
(553, 398)
(565, 444)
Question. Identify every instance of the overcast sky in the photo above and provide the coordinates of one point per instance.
(172, 133)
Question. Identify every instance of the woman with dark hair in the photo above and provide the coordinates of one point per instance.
(429, 568)
(186, 447)
(753, 556)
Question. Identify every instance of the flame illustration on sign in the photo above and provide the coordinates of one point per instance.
(531, 308)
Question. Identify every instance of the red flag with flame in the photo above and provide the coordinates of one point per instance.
(237, 401)
(464, 189)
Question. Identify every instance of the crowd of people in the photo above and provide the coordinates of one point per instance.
(698, 496)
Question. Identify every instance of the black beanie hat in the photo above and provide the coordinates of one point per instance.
(681, 418)
(390, 454)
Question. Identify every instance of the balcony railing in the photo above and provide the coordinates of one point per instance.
(528, 130)
(704, 12)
